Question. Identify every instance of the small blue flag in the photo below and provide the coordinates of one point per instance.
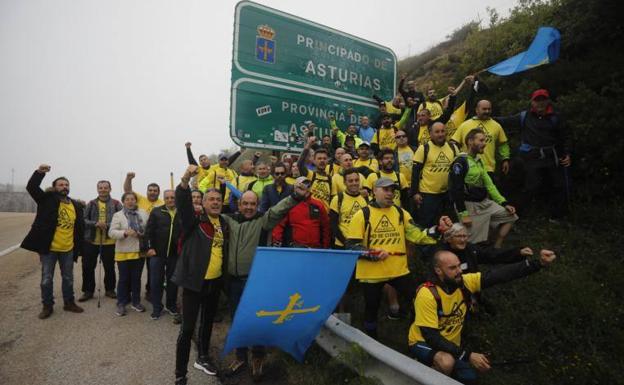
(288, 296)
(543, 50)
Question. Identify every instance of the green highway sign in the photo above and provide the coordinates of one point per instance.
(300, 62)
(275, 116)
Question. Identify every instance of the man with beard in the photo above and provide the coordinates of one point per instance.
(56, 235)
(98, 216)
(430, 170)
(148, 202)
(320, 181)
(203, 166)
(364, 158)
(387, 170)
(477, 201)
(441, 306)
(495, 137)
(276, 191)
(384, 137)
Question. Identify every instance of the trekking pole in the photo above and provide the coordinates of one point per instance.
(100, 269)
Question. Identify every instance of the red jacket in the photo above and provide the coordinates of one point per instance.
(308, 225)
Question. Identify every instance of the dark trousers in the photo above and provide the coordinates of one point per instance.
(162, 268)
(203, 304)
(539, 173)
(89, 264)
(129, 284)
(235, 291)
(431, 209)
(373, 293)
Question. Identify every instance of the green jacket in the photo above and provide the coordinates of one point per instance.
(245, 234)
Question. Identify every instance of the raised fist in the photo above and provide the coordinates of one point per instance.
(43, 168)
(187, 144)
(130, 175)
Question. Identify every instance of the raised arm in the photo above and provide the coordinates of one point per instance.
(513, 271)
(189, 154)
(34, 183)
(127, 185)
(184, 201)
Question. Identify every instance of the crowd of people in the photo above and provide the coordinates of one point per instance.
(407, 177)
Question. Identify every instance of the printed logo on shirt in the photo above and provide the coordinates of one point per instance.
(384, 225)
(320, 190)
(64, 221)
(441, 164)
(454, 319)
(488, 137)
(385, 234)
(354, 209)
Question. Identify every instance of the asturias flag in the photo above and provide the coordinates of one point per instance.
(288, 296)
(543, 50)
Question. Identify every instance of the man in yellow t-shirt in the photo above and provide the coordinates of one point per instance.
(214, 177)
(203, 166)
(98, 215)
(338, 179)
(381, 230)
(144, 202)
(384, 136)
(404, 155)
(56, 235)
(430, 176)
(321, 186)
(386, 170)
(345, 204)
(365, 159)
(495, 138)
(441, 306)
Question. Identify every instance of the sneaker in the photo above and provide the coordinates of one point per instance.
(177, 319)
(206, 366)
(171, 311)
(46, 311)
(121, 310)
(72, 307)
(180, 381)
(257, 364)
(138, 307)
(395, 316)
(236, 367)
(85, 297)
(111, 294)
(155, 316)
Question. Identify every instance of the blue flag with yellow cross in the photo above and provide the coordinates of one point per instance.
(288, 296)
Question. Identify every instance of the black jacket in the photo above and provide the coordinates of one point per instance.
(270, 196)
(197, 233)
(473, 255)
(41, 233)
(162, 233)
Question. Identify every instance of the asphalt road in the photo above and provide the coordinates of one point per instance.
(95, 347)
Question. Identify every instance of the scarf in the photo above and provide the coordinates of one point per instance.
(134, 220)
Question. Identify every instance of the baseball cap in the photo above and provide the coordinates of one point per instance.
(364, 144)
(303, 180)
(223, 155)
(385, 182)
(540, 93)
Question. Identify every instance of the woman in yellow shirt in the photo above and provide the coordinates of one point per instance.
(127, 228)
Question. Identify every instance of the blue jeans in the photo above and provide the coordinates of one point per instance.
(159, 268)
(48, 264)
(235, 291)
(129, 283)
(462, 371)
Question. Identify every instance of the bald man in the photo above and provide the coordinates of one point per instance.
(495, 137)
(441, 306)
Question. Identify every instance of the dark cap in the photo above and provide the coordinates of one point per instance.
(385, 182)
(540, 93)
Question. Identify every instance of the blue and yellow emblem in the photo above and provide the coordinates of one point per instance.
(265, 45)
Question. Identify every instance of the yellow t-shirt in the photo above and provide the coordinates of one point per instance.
(290, 180)
(350, 205)
(494, 136)
(423, 135)
(338, 184)
(453, 307)
(147, 205)
(63, 240)
(98, 233)
(387, 233)
(120, 257)
(405, 156)
(321, 186)
(201, 174)
(400, 179)
(436, 168)
(211, 181)
(384, 137)
(216, 251)
(333, 169)
(434, 107)
(241, 182)
(371, 163)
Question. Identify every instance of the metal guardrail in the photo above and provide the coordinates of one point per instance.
(387, 365)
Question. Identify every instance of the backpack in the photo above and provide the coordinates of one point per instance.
(367, 226)
(466, 296)
(552, 117)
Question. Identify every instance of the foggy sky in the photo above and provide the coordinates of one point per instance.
(98, 88)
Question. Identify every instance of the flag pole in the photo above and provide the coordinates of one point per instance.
(171, 179)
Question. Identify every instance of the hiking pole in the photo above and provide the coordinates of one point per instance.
(100, 269)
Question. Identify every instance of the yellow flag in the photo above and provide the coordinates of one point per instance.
(457, 118)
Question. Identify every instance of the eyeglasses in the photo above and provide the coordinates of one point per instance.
(400, 137)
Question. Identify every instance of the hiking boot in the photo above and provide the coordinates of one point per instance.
(46, 311)
(180, 381)
(138, 308)
(205, 365)
(111, 294)
(72, 307)
(257, 364)
(237, 366)
(121, 310)
(85, 296)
